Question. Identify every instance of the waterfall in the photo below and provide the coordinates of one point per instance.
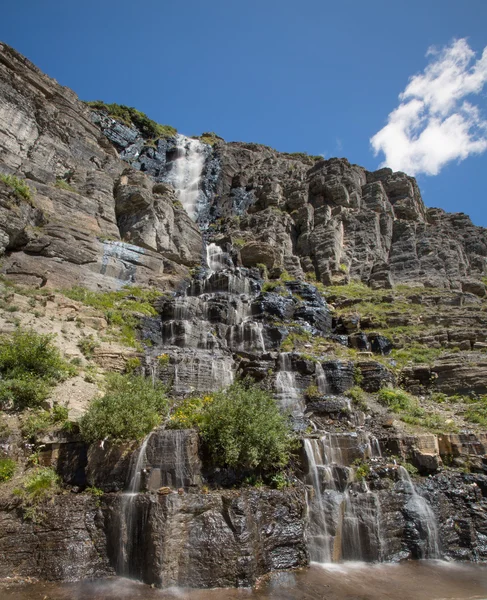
(185, 173)
(344, 514)
(288, 393)
(216, 259)
(321, 382)
(128, 508)
(421, 512)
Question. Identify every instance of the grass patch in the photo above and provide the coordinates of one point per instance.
(64, 185)
(18, 186)
(122, 309)
(129, 410)
(39, 484)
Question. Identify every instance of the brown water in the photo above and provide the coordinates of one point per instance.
(425, 580)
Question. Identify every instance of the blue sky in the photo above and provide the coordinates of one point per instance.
(314, 76)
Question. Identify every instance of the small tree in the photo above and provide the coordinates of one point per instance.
(131, 407)
(244, 428)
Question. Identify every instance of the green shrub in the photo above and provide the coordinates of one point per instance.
(312, 392)
(18, 186)
(397, 400)
(27, 353)
(362, 469)
(280, 480)
(88, 345)
(209, 137)
(243, 428)
(39, 422)
(129, 410)
(133, 117)
(27, 391)
(188, 414)
(7, 469)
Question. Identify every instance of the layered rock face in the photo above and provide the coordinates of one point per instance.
(241, 239)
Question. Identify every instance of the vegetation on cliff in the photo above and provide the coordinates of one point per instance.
(241, 426)
(30, 366)
(131, 407)
(132, 117)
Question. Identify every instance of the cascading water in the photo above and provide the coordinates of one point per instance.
(288, 393)
(185, 174)
(128, 508)
(344, 514)
(420, 512)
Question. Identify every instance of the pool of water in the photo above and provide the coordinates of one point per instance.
(422, 580)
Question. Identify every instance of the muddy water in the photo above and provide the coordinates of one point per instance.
(425, 580)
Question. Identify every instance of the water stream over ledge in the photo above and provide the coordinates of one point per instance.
(415, 580)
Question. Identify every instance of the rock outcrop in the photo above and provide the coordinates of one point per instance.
(240, 241)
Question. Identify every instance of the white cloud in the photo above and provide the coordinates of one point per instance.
(434, 123)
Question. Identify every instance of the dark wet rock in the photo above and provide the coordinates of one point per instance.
(339, 375)
(375, 376)
(225, 539)
(379, 344)
(67, 541)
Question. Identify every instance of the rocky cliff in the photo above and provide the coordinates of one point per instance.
(335, 288)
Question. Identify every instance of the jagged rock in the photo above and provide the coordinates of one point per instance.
(254, 253)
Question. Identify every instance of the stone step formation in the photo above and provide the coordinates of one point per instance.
(336, 289)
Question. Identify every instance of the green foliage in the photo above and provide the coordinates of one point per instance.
(163, 359)
(41, 421)
(96, 493)
(243, 427)
(129, 410)
(397, 400)
(88, 345)
(415, 353)
(39, 484)
(189, 413)
(477, 411)
(30, 364)
(132, 364)
(357, 395)
(238, 243)
(64, 185)
(28, 352)
(312, 392)
(121, 309)
(362, 469)
(210, 137)
(280, 480)
(18, 186)
(23, 391)
(7, 469)
(130, 116)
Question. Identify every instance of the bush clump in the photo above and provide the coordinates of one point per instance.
(243, 428)
(30, 365)
(130, 116)
(397, 400)
(131, 407)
